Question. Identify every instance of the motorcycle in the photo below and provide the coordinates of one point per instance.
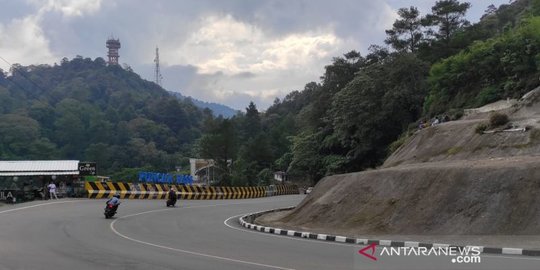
(110, 210)
(171, 202)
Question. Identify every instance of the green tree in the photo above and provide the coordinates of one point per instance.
(265, 177)
(69, 132)
(535, 7)
(336, 76)
(6, 102)
(306, 160)
(254, 156)
(506, 66)
(376, 107)
(448, 16)
(20, 138)
(102, 154)
(252, 121)
(406, 33)
(219, 144)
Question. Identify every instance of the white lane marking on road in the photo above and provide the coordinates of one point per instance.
(187, 251)
(35, 205)
(226, 222)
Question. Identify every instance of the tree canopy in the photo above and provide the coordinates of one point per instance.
(83, 109)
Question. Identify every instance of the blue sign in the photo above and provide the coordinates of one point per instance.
(165, 178)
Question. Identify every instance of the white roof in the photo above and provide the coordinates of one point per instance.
(39, 167)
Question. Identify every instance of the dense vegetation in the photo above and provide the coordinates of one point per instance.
(435, 64)
(361, 109)
(506, 66)
(83, 109)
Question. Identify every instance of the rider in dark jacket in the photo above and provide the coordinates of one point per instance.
(172, 194)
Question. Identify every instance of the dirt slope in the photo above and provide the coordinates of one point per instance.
(444, 180)
(457, 140)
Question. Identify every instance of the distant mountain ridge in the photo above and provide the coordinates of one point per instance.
(217, 109)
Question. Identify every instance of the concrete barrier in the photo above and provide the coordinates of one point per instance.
(98, 190)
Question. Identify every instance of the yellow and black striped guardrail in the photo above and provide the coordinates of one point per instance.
(98, 190)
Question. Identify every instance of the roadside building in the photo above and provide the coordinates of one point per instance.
(203, 171)
(26, 180)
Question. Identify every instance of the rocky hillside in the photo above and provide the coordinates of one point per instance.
(459, 140)
(446, 179)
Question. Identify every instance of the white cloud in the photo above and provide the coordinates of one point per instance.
(231, 46)
(297, 51)
(237, 61)
(23, 39)
(68, 8)
(23, 42)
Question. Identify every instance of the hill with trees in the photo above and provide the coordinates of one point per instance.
(83, 109)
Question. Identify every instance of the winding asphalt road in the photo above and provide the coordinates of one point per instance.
(194, 235)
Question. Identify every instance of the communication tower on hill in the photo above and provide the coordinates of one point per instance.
(113, 45)
(157, 72)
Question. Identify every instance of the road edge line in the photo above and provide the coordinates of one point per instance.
(343, 239)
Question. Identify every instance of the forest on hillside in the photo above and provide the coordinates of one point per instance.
(85, 110)
(362, 108)
(431, 65)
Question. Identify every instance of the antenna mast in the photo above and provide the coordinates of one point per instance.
(157, 72)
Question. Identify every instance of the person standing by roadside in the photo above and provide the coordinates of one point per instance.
(52, 190)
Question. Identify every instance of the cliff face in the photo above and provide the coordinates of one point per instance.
(446, 179)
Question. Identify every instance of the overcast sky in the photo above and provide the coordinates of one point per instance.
(223, 51)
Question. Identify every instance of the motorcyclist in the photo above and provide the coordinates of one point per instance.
(172, 194)
(115, 201)
(172, 197)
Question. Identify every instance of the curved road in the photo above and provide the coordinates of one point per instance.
(194, 235)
